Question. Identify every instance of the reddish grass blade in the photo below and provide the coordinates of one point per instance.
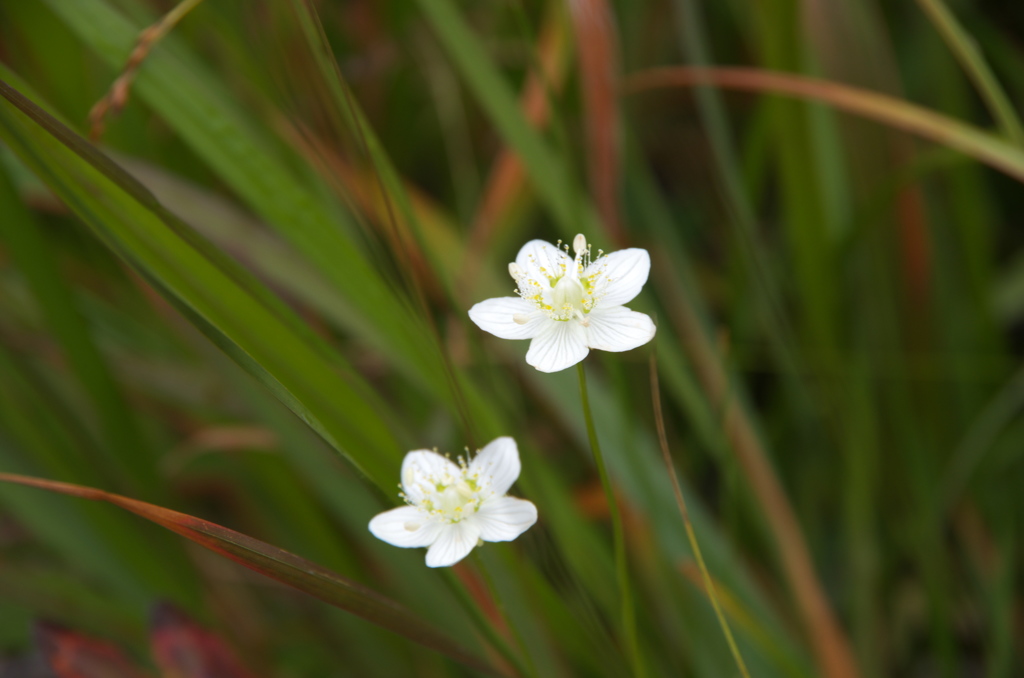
(183, 649)
(281, 565)
(915, 246)
(896, 113)
(74, 655)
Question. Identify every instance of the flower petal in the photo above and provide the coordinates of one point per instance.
(453, 544)
(618, 329)
(561, 344)
(542, 261)
(394, 527)
(498, 464)
(505, 518)
(619, 276)
(422, 468)
(497, 317)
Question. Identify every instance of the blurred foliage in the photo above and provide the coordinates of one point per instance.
(259, 306)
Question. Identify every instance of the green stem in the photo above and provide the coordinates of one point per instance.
(621, 564)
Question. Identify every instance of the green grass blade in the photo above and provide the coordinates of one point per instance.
(967, 52)
(227, 303)
(259, 169)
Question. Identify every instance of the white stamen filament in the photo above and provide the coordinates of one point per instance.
(557, 287)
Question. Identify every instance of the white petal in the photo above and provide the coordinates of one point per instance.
(561, 344)
(542, 261)
(505, 518)
(405, 526)
(498, 464)
(620, 276)
(453, 544)
(618, 329)
(423, 467)
(497, 316)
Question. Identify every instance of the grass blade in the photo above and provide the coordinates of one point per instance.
(925, 123)
(965, 48)
(230, 306)
(248, 159)
(279, 565)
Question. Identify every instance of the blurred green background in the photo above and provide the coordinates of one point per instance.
(839, 303)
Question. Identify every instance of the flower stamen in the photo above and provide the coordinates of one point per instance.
(566, 296)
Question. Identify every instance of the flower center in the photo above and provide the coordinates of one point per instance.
(562, 294)
(567, 299)
(451, 497)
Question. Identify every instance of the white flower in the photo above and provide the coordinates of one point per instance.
(567, 306)
(453, 507)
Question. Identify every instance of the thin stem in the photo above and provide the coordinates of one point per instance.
(621, 564)
(117, 97)
(709, 584)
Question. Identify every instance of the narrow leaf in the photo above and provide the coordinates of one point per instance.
(970, 56)
(280, 565)
(226, 302)
(193, 101)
